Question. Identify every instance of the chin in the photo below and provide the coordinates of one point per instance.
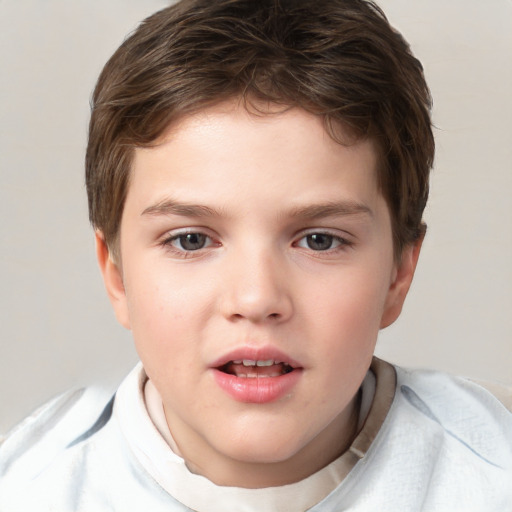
(271, 449)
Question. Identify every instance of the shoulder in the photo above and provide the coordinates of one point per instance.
(72, 454)
(462, 410)
(446, 444)
(438, 387)
(501, 391)
(43, 436)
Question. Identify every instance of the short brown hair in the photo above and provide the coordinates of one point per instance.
(339, 59)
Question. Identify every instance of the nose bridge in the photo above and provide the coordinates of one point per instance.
(256, 286)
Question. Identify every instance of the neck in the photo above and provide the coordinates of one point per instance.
(249, 472)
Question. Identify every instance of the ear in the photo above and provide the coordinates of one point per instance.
(401, 282)
(113, 279)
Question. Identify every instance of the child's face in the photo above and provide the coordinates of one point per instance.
(259, 239)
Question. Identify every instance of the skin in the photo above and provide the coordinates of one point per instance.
(263, 184)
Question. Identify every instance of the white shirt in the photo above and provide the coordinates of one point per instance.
(429, 442)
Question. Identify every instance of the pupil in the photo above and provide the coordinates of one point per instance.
(319, 242)
(192, 241)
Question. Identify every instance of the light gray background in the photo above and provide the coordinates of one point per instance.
(56, 327)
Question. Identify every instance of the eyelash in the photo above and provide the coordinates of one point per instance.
(341, 242)
(168, 243)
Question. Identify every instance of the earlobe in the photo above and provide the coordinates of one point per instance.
(113, 280)
(401, 283)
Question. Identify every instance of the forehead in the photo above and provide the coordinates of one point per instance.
(258, 115)
(272, 140)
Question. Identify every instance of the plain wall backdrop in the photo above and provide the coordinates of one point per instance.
(56, 327)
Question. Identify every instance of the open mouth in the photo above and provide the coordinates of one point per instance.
(251, 369)
(257, 376)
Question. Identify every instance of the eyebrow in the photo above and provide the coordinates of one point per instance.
(171, 207)
(331, 209)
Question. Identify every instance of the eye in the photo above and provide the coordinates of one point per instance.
(189, 241)
(321, 242)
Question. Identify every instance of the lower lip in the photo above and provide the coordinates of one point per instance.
(257, 390)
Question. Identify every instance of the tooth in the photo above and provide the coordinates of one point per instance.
(249, 362)
(269, 362)
(238, 361)
(252, 375)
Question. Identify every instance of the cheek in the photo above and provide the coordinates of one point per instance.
(162, 293)
(165, 313)
(348, 309)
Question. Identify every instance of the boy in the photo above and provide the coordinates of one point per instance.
(257, 173)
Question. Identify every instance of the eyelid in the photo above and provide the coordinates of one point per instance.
(336, 233)
(344, 239)
(176, 232)
(337, 240)
(170, 236)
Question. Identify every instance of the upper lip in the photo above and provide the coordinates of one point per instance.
(256, 354)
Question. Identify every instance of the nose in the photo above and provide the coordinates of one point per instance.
(256, 288)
